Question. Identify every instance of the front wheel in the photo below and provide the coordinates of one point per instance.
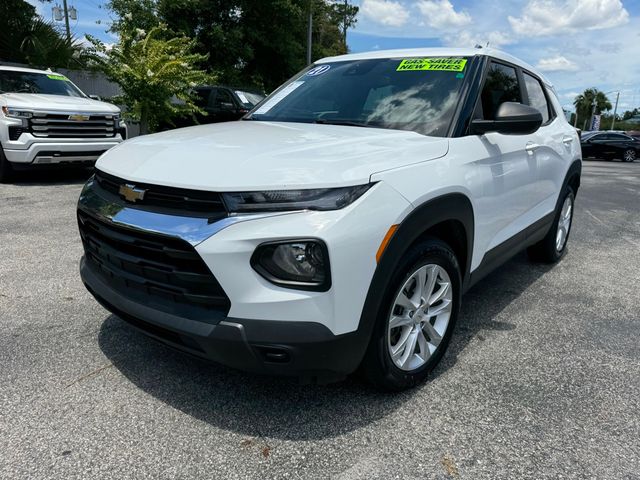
(554, 245)
(629, 155)
(415, 324)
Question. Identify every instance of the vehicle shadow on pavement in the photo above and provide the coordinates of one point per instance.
(486, 300)
(57, 176)
(261, 406)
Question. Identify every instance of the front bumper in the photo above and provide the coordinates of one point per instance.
(306, 350)
(52, 151)
(268, 328)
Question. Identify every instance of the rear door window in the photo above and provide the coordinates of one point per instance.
(537, 98)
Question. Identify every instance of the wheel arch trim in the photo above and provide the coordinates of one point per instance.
(448, 207)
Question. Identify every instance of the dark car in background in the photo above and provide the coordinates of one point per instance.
(610, 146)
(220, 104)
(223, 104)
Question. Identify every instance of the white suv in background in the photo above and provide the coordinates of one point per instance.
(339, 224)
(46, 119)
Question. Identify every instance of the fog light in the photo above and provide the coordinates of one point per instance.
(302, 264)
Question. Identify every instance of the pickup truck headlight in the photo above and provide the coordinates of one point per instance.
(287, 200)
(300, 264)
(15, 113)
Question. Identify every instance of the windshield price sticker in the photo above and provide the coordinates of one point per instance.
(437, 64)
(57, 77)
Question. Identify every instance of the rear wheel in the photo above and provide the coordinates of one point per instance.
(554, 245)
(414, 326)
(6, 172)
(629, 155)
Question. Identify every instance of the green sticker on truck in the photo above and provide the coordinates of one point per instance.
(434, 64)
(57, 77)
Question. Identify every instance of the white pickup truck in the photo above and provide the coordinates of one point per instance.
(46, 119)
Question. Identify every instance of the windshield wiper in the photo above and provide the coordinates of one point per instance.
(349, 123)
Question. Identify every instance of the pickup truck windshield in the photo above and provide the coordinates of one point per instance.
(418, 94)
(28, 82)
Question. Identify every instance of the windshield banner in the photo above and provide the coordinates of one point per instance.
(441, 64)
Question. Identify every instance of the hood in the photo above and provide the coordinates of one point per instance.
(255, 155)
(61, 103)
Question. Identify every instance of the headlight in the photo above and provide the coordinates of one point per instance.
(14, 113)
(301, 264)
(281, 200)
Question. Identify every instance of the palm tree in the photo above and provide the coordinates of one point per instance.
(585, 101)
(27, 38)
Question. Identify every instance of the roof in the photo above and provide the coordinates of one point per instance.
(435, 52)
(22, 69)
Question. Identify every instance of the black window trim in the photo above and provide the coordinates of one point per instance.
(466, 114)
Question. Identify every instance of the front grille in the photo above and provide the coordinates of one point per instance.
(155, 270)
(161, 199)
(57, 125)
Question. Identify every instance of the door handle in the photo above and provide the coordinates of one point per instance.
(531, 147)
(567, 140)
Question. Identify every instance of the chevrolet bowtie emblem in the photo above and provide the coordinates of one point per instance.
(79, 117)
(131, 193)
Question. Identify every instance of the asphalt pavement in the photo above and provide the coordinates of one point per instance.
(542, 379)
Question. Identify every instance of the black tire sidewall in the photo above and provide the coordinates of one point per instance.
(6, 172)
(378, 365)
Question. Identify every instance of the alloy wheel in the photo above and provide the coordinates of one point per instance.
(564, 223)
(419, 317)
(629, 155)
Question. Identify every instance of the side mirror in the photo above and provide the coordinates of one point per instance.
(511, 118)
(95, 97)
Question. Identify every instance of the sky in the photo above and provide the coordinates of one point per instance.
(576, 44)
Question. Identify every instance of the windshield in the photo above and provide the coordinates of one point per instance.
(249, 99)
(418, 94)
(28, 82)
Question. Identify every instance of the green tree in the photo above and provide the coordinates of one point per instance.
(248, 42)
(156, 71)
(27, 38)
(584, 105)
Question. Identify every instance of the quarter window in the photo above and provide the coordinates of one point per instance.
(501, 85)
(536, 95)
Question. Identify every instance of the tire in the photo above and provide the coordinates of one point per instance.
(442, 277)
(552, 248)
(6, 172)
(629, 155)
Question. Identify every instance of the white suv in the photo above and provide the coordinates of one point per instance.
(339, 223)
(46, 119)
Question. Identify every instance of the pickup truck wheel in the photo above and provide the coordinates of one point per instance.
(554, 245)
(414, 327)
(6, 172)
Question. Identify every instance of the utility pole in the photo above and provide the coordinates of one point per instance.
(309, 33)
(66, 19)
(615, 110)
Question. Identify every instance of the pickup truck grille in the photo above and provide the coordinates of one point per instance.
(170, 200)
(153, 269)
(57, 125)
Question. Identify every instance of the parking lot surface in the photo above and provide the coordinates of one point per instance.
(542, 379)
